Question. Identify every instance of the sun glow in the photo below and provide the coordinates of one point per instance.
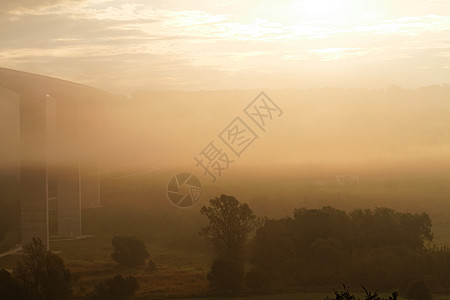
(319, 9)
(327, 11)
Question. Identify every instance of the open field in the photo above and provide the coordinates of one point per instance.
(178, 273)
(305, 296)
(182, 272)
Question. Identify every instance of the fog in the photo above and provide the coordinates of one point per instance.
(330, 131)
(296, 149)
(320, 134)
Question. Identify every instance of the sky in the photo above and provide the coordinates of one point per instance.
(122, 46)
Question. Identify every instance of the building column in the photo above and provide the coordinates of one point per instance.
(33, 186)
(10, 139)
(90, 118)
(10, 162)
(69, 194)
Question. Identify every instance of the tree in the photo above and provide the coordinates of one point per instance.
(418, 290)
(226, 275)
(10, 287)
(43, 273)
(386, 227)
(325, 246)
(230, 222)
(272, 247)
(129, 251)
(257, 279)
(116, 288)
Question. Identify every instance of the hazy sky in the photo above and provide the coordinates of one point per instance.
(122, 46)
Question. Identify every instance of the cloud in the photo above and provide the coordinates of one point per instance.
(30, 5)
(173, 43)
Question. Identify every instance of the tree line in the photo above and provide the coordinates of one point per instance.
(380, 248)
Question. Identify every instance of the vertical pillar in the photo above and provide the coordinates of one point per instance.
(52, 166)
(69, 195)
(90, 185)
(10, 139)
(33, 186)
(10, 164)
(90, 117)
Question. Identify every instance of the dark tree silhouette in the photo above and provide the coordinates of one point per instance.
(43, 273)
(418, 290)
(257, 279)
(230, 222)
(129, 251)
(226, 275)
(380, 247)
(10, 287)
(345, 294)
(384, 226)
(116, 288)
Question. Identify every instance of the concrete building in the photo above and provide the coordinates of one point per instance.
(52, 148)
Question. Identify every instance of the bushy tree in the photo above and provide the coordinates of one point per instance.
(384, 226)
(418, 290)
(129, 251)
(226, 275)
(441, 264)
(10, 287)
(116, 288)
(325, 246)
(43, 273)
(257, 279)
(230, 222)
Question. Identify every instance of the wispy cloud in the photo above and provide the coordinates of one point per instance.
(174, 39)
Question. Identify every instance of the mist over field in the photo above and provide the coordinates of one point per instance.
(297, 149)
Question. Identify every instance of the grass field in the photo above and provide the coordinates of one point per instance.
(180, 274)
(183, 273)
(305, 296)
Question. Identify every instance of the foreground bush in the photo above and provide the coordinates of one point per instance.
(116, 288)
(226, 275)
(129, 251)
(42, 273)
(345, 294)
(418, 290)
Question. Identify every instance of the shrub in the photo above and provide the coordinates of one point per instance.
(345, 294)
(226, 275)
(10, 288)
(43, 273)
(418, 290)
(257, 279)
(129, 251)
(116, 288)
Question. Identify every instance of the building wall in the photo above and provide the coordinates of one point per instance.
(33, 186)
(69, 184)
